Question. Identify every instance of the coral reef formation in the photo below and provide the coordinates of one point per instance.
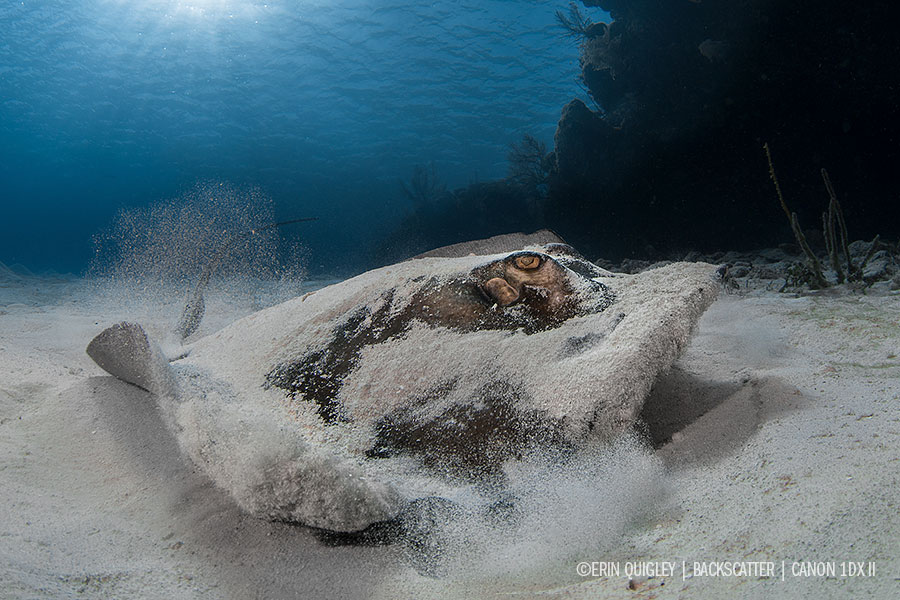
(686, 92)
(663, 157)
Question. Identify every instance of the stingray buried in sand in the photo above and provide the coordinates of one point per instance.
(337, 408)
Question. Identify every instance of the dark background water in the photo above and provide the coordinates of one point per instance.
(324, 106)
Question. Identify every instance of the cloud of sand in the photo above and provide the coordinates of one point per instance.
(563, 509)
(172, 241)
(159, 252)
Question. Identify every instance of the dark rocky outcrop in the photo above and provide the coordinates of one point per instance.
(668, 158)
(686, 93)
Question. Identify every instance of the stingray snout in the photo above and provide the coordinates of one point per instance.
(501, 291)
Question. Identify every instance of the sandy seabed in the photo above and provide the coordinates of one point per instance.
(775, 472)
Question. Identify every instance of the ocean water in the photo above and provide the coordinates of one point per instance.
(319, 107)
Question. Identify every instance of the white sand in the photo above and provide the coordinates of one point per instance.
(786, 434)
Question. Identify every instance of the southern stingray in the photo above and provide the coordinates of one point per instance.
(338, 408)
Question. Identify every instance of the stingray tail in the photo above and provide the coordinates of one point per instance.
(196, 307)
(127, 352)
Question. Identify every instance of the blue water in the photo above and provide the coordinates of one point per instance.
(323, 105)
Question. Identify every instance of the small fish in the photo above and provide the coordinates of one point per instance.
(714, 51)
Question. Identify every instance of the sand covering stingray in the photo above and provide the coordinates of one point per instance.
(336, 408)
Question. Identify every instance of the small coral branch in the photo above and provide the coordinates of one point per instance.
(526, 162)
(833, 225)
(575, 24)
(814, 264)
(834, 229)
(424, 188)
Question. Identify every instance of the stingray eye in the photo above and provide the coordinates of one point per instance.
(528, 262)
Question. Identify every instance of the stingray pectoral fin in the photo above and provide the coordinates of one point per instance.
(258, 454)
(126, 352)
(319, 491)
